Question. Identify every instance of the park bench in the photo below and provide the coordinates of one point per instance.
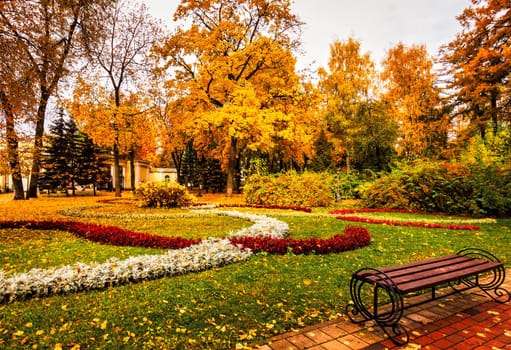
(378, 294)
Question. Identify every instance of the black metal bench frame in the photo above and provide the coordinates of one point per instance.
(460, 271)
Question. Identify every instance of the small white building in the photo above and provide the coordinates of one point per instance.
(143, 173)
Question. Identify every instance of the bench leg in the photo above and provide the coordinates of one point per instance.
(385, 293)
(491, 284)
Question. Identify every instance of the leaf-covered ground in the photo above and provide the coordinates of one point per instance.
(231, 306)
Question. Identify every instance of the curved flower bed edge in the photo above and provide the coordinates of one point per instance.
(342, 215)
(184, 256)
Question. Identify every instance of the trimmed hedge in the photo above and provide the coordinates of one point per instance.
(443, 187)
(289, 189)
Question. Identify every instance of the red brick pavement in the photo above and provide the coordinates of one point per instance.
(470, 321)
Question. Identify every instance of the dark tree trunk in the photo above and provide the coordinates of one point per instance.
(132, 169)
(177, 157)
(117, 171)
(12, 148)
(494, 115)
(38, 144)
(231, 168)
(14, 164)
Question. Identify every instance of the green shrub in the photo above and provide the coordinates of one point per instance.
(443, 187)
(494, 190)
(346, 185)
(289, 189)
(163, 195)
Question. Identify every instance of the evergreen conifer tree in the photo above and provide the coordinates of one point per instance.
(70, 158)
(90, 167)
(323, 159)
(54, 161)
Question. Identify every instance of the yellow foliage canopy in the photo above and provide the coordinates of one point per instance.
(129, 124)
(233, 75)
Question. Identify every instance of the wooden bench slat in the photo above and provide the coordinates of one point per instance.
(437, 279)
(421, 272)
(429, 266)
(422, 262)
(428, 273)
(416, 267)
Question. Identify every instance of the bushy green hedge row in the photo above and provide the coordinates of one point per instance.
(289, 189)
(443, 187)
(163, 195)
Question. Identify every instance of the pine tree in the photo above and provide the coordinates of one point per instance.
(55, 165)
(323, 159)
(70, 158)
(189, 165)
(90, 166)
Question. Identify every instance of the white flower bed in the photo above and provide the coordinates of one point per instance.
(263, 225)
(80, 276)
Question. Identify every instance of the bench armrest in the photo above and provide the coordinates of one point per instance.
(478, 254)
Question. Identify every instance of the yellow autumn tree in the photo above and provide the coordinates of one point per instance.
(175, 120)
(120, 127)
(227, 51)
(414, 99)
(123, 56)
(358, 126)
(40, 42)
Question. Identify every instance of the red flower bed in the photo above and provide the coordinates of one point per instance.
(353, 238)
(343, 216)
(105, 234)
(380, 210)
(263, 206)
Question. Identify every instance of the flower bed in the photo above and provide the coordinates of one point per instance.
(112, 235)
(81, 277)
(342, 216)
(257, 206)
(379, 210)
(186, 255)
(353, 238)
(273, 207)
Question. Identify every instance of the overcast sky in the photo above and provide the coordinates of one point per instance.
(377, 24)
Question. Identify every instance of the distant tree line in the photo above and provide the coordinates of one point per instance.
(222, 97)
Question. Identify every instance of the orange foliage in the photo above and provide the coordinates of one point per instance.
(480, 64)
(410, 91)
(233, 79)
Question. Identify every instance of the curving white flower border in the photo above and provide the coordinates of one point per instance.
(263, 226)
(78, 277)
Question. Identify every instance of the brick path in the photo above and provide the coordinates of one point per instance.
(467, 321)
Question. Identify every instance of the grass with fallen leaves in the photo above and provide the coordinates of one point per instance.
(228, 307)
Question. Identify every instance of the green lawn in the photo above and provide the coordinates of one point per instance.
(234, 305)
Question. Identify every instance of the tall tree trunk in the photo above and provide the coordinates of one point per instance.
(15, 169)
(132, 168)
(494, 114)
(12, 149)
(38, 144)
(117, 171)
(117, 166)
(177, 158)
(231, 167)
